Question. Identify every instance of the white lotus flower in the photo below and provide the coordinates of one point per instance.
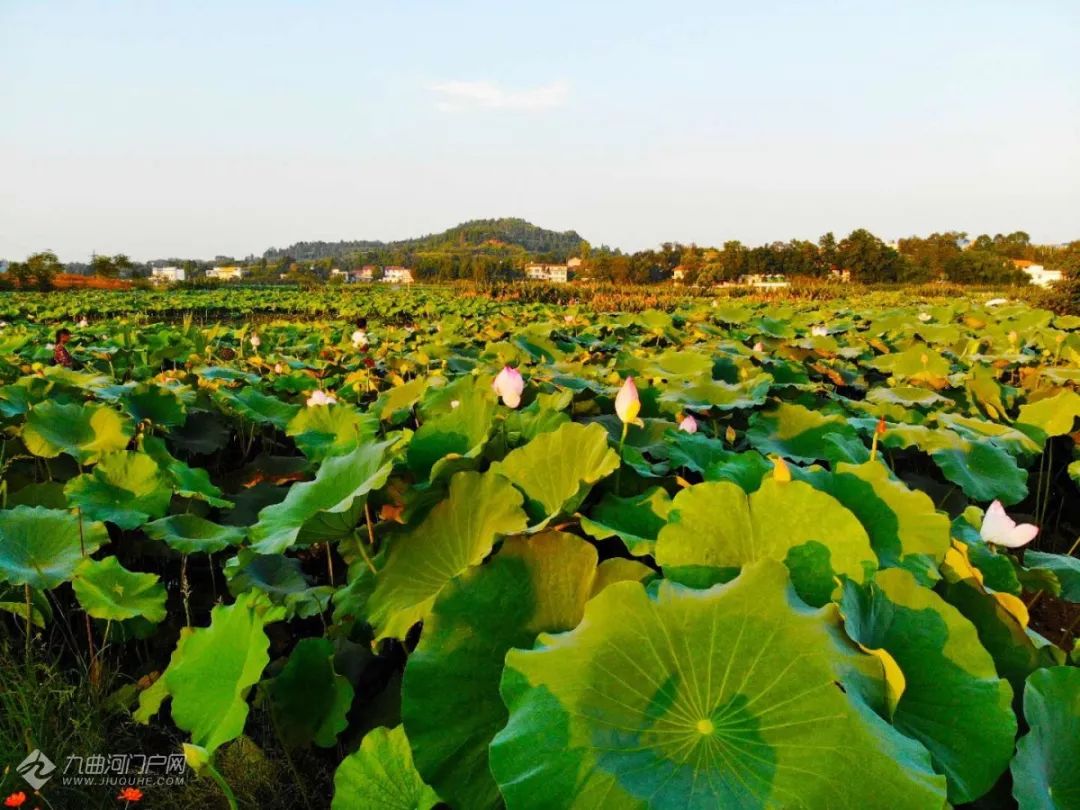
(759, 346)
(997, 302)
(1001, 530)
(509, 385)
(688, 424)
(454, 403)
(925, 317)
(255, 341)
(627, 402)
(320, 397)
(359, 339)
(83, 323)
(278, 368)
(819, 331)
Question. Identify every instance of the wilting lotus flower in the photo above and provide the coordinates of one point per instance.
(925, 317)
(320, 397)
(759, 346)
(359, 339)
(509, 385)
(627, 403)
(819, 331)
(688, 424)
(1001, 530)
(255, 341)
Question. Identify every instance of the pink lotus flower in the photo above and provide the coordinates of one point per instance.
(688, 424)
(627, 402)
(759, 346)
(509, 385)
(1001, 530)
(320, 397)
(278, 368)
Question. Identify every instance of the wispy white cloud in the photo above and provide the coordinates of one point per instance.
(459, 95)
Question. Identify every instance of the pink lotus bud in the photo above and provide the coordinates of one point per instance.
(320, 397)
(627, 403)
(759, 346)
(509, 385)
(688, 424)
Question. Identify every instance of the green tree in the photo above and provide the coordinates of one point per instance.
(42, 268)
(868, 258)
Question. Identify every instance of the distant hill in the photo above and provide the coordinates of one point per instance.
(477, 234)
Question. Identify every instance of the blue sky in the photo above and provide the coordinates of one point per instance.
(197, 128)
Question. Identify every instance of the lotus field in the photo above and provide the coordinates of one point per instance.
(480, 553)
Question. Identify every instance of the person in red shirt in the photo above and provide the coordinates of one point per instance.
(61, 356)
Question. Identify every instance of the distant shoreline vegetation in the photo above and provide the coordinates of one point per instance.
(508, 249)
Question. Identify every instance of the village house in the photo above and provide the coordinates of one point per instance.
(226, 272)
(1039, 275)
(166, 275)
(553, 273)
(397, 275)
(761, 281)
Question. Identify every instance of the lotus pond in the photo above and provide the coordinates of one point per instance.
(480, 553)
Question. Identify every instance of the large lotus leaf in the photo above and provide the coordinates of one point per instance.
(636, 520)
(666, 365)
(715, 526)
(162, 405)
(458, 532)
(396, 403)
(1007, 437)
(381, 774)
(708, 393)
(125, 488)
(338, 483)
(984, 471)
(188, 482)
(191, 534)
(42, 547)
(202, 433)
(460, 431)
(947, 674)
(213, 668)
(1054, 415)
(904, 526)
(450, 695)
(1045, 773)
(308, 699)
(919, 364)
(253, 404)
(726, 697)
(1066, 570)
(795, 432)
(556, 470)
(83, 431)
(331, 430)
(107, 590)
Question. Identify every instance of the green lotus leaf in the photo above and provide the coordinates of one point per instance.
(42, 547)
(395, 404)
(331, 430)
(340, 481)
(125, 488)
(636, 520)
(107, 590)
(381, 774)
(212, 670)
(261, 408)
(83, 431)
(13, 601)
(907, 395)
(918, 364)
(1045, 776)
(458, 532)
(715, 526)
(983, 471)
(202, 433)
(1007, 437)
(947, 674)
(543, 415)
(162, 405)
(47, 493)
(1065, 569)
(460, 431)
(795, 432)
(726, 697)
(191, 534)
(904, 526)
(1053, 415)
(708, 393)
(188, 482)
(557, 469)
(667, 365)
(308, 699)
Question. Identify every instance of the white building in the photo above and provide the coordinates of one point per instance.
(1039, 275)
(397, 275)
(554, 273)
(166, 275)
(767, 282)
(226, 272)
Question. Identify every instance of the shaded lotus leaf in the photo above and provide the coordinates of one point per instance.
(159, 404)
(636, 520)
(458, 532)
(984, 472)
(1044, 772)
(202, 433)
(726, 697)
(331, 430)
(42, 547)
(338, 484)
(83, 431)
(191, 534)
(107, 590)
(795, 432)
(212, 670)
(380, 773)
(1065, 569)
(1053, 415)
(714, 528)
(261, 408)
(395, 404)
(947, 674)
(188, 482)
(13, 601)
(47, 493)
(450, 695)
(556, 470)
(460, 431)
(308, 699)
(125, 488)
